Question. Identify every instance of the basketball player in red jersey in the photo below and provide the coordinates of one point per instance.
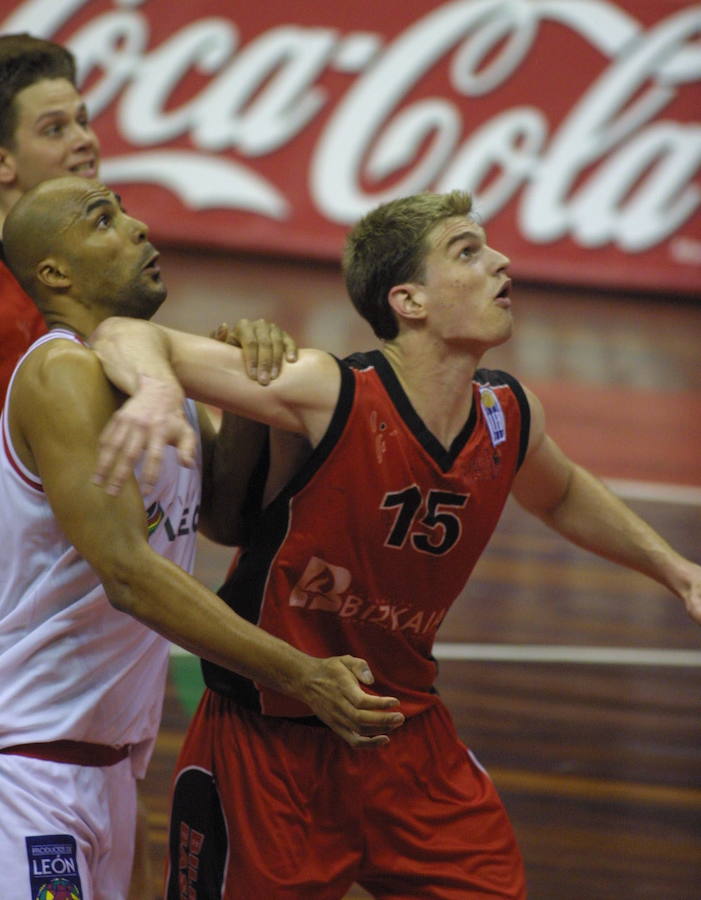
(45, 132)
(413, 452)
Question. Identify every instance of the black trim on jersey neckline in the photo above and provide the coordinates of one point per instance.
(443, 457)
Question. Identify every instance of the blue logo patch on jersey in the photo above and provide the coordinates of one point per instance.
(53, 867)
(493, 415)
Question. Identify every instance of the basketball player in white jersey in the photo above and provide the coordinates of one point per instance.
(93, 584)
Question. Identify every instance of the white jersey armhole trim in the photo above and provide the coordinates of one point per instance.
(29, 478)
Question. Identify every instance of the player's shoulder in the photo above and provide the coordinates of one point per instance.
(61, 357)
(496, 385)
(312, 358)
(361, 360)
(61, 371)
(311, 370)
(495, 378)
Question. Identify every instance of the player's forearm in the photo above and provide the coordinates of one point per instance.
(591, 516)
(163, 597)
(144, 358)
(168, 600)
(132, 351)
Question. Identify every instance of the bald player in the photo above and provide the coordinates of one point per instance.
(94, 585)
(45, 132)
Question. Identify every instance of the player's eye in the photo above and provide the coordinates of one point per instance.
(53, 130)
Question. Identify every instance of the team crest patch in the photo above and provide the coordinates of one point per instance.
(53, 867)
(154, 517)
(493, 415)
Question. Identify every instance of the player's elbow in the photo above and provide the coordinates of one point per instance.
(119, 595)
(123, 577)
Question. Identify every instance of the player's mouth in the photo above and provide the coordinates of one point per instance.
(85, 169)
(151, 266)
(503, 297)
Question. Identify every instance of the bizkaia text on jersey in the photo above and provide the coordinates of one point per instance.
(326, 587)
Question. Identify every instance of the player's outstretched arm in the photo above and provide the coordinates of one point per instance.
(156, 418)
(579, 506)
(59, 405)
(150, 363)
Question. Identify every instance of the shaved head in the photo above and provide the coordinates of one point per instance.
(36, 224)
(70, 239)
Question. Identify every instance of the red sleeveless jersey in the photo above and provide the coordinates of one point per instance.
(21, 324)
(374, 538)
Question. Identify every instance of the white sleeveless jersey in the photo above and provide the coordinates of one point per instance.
(71, 666)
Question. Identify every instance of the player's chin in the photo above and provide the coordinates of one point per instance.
(503, 332)
(144, 302)
(155, 294)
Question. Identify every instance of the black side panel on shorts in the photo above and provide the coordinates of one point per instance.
(198, 844)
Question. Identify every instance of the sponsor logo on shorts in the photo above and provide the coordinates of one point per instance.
(191, 842)
(53, 867)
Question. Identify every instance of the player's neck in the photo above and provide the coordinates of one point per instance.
(58, 325)
(81, 324)
(438, 384)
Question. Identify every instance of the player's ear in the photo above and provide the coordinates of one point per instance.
(8, 167)
(54, 274)
(407, 301)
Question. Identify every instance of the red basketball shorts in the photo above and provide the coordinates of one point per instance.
(272, 809)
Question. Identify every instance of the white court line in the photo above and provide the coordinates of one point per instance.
(548, 653)
(684, 494)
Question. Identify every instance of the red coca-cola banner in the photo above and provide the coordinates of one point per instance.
(273, 127)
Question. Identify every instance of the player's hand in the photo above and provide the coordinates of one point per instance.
(153, 418)
(332, 688)
(691, 594)
(264, 346)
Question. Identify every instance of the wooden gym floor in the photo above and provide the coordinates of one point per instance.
(577, 684)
